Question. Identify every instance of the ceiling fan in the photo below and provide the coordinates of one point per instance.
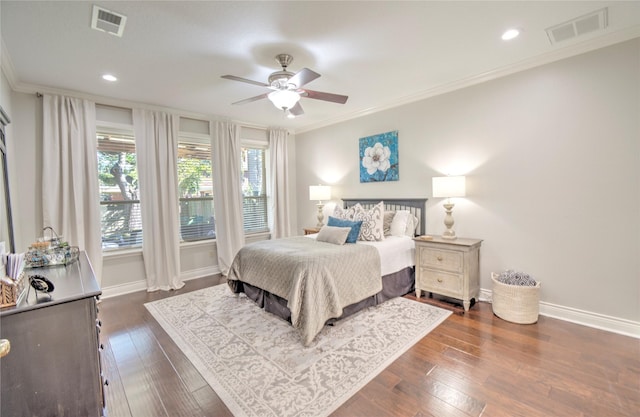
(287, 88)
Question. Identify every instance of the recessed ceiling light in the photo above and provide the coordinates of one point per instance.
(510, 34)
(109, 77)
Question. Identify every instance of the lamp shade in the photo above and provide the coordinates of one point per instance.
(449, 186)
(319, 192)
(284, 99)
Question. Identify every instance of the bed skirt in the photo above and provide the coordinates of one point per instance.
(393, 285)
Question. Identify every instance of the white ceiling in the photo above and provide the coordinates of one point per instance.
(381, 54)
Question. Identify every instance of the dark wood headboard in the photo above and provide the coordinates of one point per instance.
(416, 206)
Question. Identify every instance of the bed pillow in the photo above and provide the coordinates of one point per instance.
(413, 226)
(386, 222)
(399, 225)
(372, 222)
(332, 234)
(353, 225)
(348, 214)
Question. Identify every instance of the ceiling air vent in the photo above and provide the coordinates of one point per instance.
(108, 21)
(579, 26)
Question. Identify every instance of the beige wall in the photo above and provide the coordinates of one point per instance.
(552, 157)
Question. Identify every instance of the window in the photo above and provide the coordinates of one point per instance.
(195, 189)
(121, 222)
(254, 190)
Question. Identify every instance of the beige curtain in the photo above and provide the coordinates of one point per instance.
(70, 192)
(156, 136)
(226, 150)
(279, 183)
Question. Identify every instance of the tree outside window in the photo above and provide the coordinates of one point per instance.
(121, 222)
(195, 187)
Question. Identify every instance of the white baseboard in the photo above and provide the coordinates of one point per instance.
(141, 285)
(585, 318)
(595, 320)
(200, 273)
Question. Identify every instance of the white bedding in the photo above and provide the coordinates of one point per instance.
(396, 253)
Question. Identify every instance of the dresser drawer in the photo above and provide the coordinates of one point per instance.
(440, 282)
(441, 259)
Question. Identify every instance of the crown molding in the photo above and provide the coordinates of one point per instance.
(7, 66)
(543, 59)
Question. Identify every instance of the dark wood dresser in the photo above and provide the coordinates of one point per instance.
(53, 368)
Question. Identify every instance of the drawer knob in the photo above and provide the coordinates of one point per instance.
(439, 258)
(439, 279)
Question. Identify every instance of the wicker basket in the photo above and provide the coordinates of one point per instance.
(9, 294)
(515, 303)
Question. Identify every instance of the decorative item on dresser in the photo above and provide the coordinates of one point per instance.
(54, 366)
(448, 267)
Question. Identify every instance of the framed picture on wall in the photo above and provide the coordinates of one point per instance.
(379, 157)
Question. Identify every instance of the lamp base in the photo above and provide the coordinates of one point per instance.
(449, 236)
(320, 215)
(448, 221)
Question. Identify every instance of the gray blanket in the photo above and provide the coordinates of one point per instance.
(317, 279)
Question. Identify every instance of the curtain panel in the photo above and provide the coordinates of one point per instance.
(156, 135)
(70, 192)
(279, 181)
(226, 155)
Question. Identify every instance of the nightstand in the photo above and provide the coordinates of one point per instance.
(311, 230)
(449, 267)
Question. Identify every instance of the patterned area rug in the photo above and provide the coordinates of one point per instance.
(257, 365)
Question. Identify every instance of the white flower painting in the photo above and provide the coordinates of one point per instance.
(379, 157)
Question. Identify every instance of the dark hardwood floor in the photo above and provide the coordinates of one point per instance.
(473, 364)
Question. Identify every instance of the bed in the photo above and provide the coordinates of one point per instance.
(311, 283)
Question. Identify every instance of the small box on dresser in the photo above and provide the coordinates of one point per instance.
(449, 267)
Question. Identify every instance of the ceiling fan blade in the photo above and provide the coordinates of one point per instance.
(249, 100)
(318, 95)
(244, 80)
(302, 77)
(296, 110)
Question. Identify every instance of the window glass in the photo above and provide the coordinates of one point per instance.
(254, 190)
(121, 222)
(195, 189)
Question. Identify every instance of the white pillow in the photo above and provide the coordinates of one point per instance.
(413, 225)
(372, 222)
(333, 234)
(400, 222)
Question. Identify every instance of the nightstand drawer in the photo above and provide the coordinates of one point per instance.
(442, 282)
(441, 259)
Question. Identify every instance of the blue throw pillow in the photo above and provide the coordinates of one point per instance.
(355, 227)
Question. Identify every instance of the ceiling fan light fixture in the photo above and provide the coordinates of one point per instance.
(284, 99)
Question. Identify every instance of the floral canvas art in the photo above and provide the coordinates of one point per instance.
(379, 157)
